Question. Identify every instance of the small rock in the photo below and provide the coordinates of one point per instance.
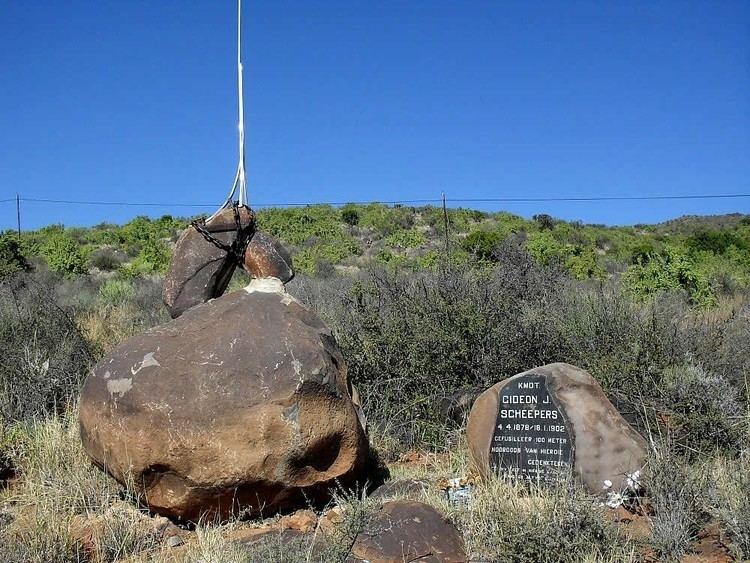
(412, 488)
(408, 531)
(302, 521)
(174, 541)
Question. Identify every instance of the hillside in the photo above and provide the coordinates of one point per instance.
(705, 256)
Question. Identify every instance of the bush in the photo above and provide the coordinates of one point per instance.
(482, 244)
(704, 411)
(675, 498)
(43, 357)
(716, 242)
(106, 259)
(350, 215)
(412, 338)
(729, 493)
(116, 291)
(12, 259)
(544, 222)
(668, 271)
(406, 239)
(63, 255)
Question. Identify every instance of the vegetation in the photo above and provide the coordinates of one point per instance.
(659, 314)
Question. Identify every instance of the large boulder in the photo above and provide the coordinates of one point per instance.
(547, 421)
(241, 403)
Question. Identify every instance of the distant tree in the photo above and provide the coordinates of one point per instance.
(12, 259)
(350, 215)
(714, 241)
(544, 222)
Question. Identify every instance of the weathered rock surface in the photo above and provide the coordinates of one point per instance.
(605, 447)
(408, 531)
(265, 257)
(240, 403)
(410, 488)
(200, 270)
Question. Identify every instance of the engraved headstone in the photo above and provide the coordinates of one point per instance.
(542, 424)
(531, 438)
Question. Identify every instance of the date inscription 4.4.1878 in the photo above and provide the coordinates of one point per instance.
(532, 439)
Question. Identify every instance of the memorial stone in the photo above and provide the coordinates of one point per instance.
(548, 422)
(531, 438)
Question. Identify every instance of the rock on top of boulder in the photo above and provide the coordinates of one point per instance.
(240, 403)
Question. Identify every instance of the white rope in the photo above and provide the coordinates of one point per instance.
(240, 179)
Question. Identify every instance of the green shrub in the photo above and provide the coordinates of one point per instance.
(546, 249)
(385, 220)
(114, 292)
(670, 270)
(350, 215)
(584, 265)
(63, 255)
(155, 254)
(12, 259)
(482, 243)
(544, 222)
(715, 241)
(296, 225)
(405, 239)
(333, 251)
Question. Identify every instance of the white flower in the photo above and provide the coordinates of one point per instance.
(607, 484)
(633, 480)
(614, 500)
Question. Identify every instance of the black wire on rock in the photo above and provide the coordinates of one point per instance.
(243, 238)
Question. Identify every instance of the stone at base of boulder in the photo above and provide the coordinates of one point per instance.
(408, 531)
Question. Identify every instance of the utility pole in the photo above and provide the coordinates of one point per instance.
(18, 214)
(445, 221)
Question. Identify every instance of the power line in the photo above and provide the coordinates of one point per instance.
(396, 202)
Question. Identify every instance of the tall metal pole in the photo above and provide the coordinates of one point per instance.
(18, 214)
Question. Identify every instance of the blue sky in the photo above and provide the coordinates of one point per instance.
(350, 100)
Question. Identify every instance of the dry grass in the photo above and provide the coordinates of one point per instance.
(64, 509)
(729, 497)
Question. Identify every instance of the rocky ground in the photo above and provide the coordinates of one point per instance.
(409, 518)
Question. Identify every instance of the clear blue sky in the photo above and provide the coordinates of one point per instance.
(388, 100)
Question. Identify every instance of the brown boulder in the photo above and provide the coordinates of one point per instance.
(408, 531)
(266, 258)
(241, 403)
(200, 270)
(603, 447)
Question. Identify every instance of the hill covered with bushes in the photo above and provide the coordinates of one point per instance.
(706, 257)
